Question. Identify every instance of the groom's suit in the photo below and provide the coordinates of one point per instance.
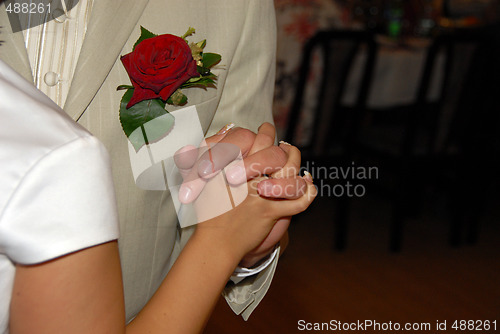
(243, 32)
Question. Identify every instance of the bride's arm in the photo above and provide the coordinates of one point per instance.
(191, 289)
(78, 293)
(82, 292)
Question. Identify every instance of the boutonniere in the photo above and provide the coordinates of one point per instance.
(159, 67)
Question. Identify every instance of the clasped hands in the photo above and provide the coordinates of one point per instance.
(272, 172)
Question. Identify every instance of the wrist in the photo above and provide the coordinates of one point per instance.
(241, 272)
(209, 239)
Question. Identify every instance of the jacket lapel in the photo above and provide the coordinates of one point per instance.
(13, 49)
(110, 26)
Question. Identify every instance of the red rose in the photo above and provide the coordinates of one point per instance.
(158, 66)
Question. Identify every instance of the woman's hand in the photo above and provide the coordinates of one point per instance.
(261, 157)
(244, 230)
(285, 184)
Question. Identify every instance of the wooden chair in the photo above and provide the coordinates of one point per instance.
(415, 157)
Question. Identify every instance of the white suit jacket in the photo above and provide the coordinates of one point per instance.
(244, 33)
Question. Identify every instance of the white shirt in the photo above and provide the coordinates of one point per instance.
(56, 190)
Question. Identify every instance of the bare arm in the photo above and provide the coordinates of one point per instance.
(191, 289)
(78, 293)
(82, 292)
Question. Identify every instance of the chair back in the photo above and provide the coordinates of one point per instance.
(330, 69)
(475, 121)
(453, 51)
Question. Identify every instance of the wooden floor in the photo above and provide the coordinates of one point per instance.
(427, 282)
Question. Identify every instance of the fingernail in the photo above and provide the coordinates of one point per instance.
(209, 176)
(205, 168)
(236, 175)
(285, 143)
(225, 129)
(265, 188)
(308, 177)
(185, 194)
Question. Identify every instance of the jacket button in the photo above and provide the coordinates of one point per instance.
(51, 78)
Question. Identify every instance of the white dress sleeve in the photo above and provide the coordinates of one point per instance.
(64, 203)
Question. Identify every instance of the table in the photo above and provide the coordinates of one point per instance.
(396, 75)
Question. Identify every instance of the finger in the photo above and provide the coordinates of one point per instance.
(216, 158)
(225, 151)
(282, 208)
(292, 165)
(220, 150)
(285, 188)
(193, 184)
(190, 190)
(185, 158)
(220, 134)
(266, 161)
(209, 143)
(264, 139)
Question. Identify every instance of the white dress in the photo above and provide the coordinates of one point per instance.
(56, 191)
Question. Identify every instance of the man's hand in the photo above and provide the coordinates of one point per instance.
(285, 184)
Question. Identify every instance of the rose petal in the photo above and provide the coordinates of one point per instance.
(140, 94)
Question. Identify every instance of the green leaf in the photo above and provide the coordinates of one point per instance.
(152, 131)
(145, 34)
(123, 87)
(202, 44)
(141, 115)
(206, 81)
(189, 32)
(210, 75)
(177, 98)
(204, 71)
(210, 59)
